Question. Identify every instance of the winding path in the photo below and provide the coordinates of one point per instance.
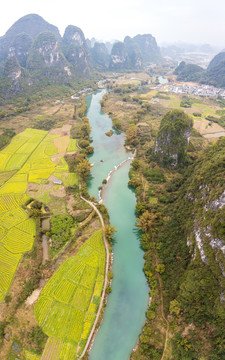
(45, 248)
(106, 272)
(162, 305)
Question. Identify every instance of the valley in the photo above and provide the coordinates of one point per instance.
(112, 222)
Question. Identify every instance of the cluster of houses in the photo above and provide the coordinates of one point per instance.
(198, 90)
(82, 92)
(101, 83)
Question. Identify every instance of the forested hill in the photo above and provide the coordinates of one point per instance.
(192, 250)
(213, 75)
(182, 216)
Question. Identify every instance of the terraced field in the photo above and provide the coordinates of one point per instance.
(68, 303)
(27, 159)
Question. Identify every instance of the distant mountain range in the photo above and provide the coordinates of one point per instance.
(213, 75)
(33, 52)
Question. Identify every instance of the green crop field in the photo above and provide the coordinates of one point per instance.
(71, 180)
(67, 306)
(17, 234)
(26, 159)
(31, 356)
(72, 145)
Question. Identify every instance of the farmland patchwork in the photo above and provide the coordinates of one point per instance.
(27, 159)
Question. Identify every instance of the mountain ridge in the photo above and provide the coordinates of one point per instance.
(47, 56)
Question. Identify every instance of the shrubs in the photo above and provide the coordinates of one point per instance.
(61, 231)
(156, 176)
(37, 338)
(6, 136)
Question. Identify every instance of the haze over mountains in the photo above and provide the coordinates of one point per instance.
(32, 50)
(34, 54)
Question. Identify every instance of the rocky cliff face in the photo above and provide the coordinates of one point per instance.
(148, 48)
(100, 55)
(206, 197)
(20, 48)
(119, 56)
(31, 25)
(46, 58)
(37, 50)
(134, 52)
(15, 78)
(76, 50)
(12, 69)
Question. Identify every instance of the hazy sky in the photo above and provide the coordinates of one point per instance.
(196, 21)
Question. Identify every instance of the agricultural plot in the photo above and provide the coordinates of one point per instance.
(62, 143)
(68, 303)
(12, 155)
(17, 234)
(72, 145)
(31, 356)
(26, 159)
(71, 180)
(5, 176)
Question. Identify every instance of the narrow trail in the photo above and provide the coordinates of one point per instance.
(162, 305)
(106, 272)
(45, 248)
(164, 318)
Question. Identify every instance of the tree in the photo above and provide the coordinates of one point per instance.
(147, 221)
(174, 307)
(85, 130)
(160, 268)
(131, 135)
(141, 207)
(117, 123)
(89, 150)
(109, 232)
(35, 213)
(83, 169)
(84, 143)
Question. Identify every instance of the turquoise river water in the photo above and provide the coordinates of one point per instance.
(124, 316)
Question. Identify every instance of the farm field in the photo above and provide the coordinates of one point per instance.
(67, 306)
(31, 356)
(26, 160)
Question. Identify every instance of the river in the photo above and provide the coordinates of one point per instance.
(124, 316)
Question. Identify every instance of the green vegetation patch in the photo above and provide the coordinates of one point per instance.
(68, 303)
(71, 180)
(61, 230)
(31, 356)
(72, 145)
